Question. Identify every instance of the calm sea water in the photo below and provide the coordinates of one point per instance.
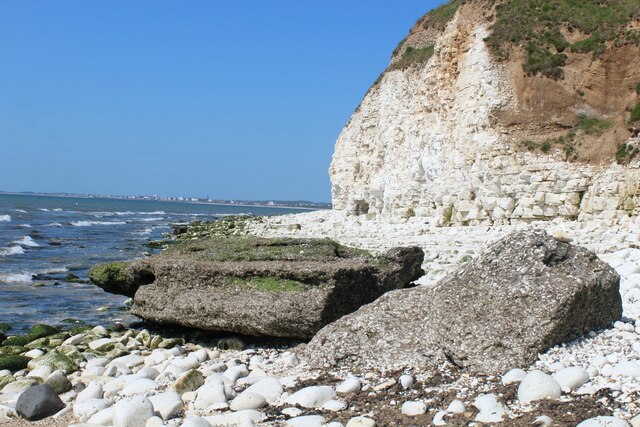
(44, 239)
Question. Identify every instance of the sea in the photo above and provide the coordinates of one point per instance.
(49, 243)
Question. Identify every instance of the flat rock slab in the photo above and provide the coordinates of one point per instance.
(525, 294)
(258, 286)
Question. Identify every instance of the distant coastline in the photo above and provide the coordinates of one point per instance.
(276, 204)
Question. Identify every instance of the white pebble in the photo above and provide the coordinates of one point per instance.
(571, 378)
(361, 422)
(93, 391)
(456, 407)
(491, 411)
(626, 368)
(513, 376)
(311, 397)
(247, 400)
(536, 386)
(87, 408)
(413, 408)
(334, 405)
(438, 419)
(603, 422)
(350, 385)
(166, 404)
(133, 412)
(196, 422)
(406, 381)
(306, 421)
(606, 370)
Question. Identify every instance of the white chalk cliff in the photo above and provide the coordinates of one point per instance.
(428, 142)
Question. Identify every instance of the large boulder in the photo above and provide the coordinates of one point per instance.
(264, 287)
(526, 293)
(38, 402)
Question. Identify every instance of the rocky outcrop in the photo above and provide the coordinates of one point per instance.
(525, 294)
(461, 136)
(269, 287)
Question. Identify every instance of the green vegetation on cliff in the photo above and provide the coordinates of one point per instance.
(412, 56)
(540, 24)
(439, 17)
(587, 125)
(540, 27)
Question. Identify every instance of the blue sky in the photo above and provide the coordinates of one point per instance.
(235, 100)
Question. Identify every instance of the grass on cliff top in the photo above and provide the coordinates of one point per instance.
(538, 24)
(439, 17)
(261, 249)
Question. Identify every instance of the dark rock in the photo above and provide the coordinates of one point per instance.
(265, 287)
(79, 386)
(59, 383)
(73, 278)
(38, 402)
(13, 362)
(525, 294)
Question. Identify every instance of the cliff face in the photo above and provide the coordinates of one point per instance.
(465, 129)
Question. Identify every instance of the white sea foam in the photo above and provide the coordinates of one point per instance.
(26, 241)
(58, 210)
(56, 270)
(151, 219)
(11, 250)
(24, 225)
(16, 278)
(44, 209)
(5, 218)
(90, 223)
(144, 232)
(20, 210)
(53, 224)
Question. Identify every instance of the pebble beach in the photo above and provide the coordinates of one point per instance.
(129, 377)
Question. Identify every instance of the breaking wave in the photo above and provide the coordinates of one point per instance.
(90, 223)
(16, 278)
(11, 250)
(27, 241)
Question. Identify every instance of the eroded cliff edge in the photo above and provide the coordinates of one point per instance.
(482, 119)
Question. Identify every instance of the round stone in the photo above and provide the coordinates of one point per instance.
(537, 386)
(413, 408)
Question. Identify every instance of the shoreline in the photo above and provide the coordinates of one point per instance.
(9, 193)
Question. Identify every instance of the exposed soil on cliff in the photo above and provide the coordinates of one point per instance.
(570, 65)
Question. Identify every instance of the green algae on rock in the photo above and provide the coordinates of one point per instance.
(54, 360)
(118, 277)
(13, 362)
